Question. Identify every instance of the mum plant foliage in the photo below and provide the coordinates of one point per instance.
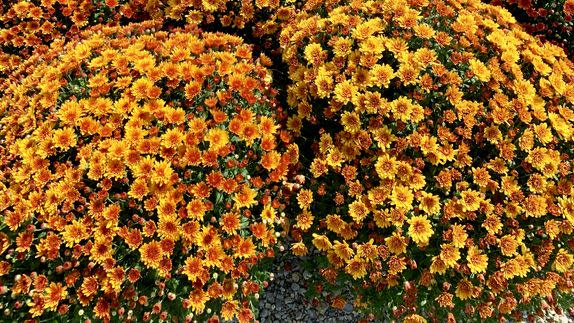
(140, 178)
(439, 159)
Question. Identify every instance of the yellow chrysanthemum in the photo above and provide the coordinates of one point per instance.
(477, 261)
(563, 261)
(358, 211)
(479, 69)
(429, 203)
(245, 197)
(420, 229)
(217, 138)
(345, 91)
(356, 267)
(402, 197)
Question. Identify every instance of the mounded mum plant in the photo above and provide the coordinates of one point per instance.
(436, 137)
(139, 178)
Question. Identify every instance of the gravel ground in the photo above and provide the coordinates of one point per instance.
(284, 300)
(552, 316)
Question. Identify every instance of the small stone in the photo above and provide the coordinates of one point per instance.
(348, 308)
(295, 277)
(312, 315)
(295, 287)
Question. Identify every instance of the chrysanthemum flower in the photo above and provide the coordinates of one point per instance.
(563, 261)
(304, 220)
(429, 203)
(345, 92)
(465, 290)
(299, 249)
(245, 197)
(245, 249)
(64, 138)
(402, 197)
(420, 229)
(151, 254)
(470, 200)
(356, 267)
(101, 250)
(305, 198)
(217, 138)
(358, 211)
(54, 293)
(477, 261)
(321, 242)
(229, 310)
(197, 299)
(396, 243)
(89, 286)
(74, 233)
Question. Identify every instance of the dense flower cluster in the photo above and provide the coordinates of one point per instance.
(29, 28)
(30, 25)
(147, 170)
(140, 177)
(551, 20)
(441, 175)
